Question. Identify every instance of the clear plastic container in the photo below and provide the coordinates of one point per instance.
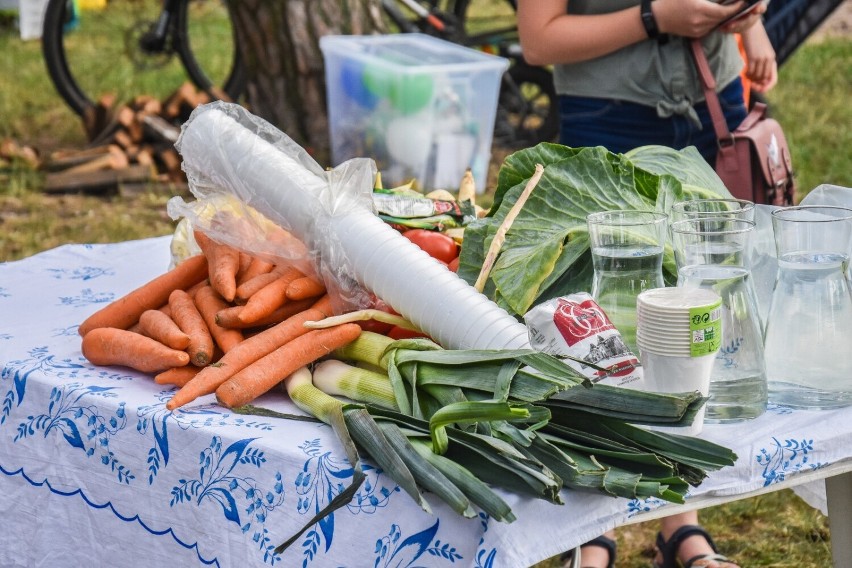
(421, 107)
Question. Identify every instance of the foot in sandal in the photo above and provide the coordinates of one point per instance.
(596, 553)
(689, 546)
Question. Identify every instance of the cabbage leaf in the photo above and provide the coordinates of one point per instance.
(546, 251)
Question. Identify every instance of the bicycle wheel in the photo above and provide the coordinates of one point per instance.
(210, 57)
(527, 110)
(96, 52)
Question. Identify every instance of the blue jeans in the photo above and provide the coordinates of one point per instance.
(620, 126)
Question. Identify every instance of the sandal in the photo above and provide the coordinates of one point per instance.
(602, 541)
(668, 549)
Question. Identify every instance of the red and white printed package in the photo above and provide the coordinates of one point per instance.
(576, 326)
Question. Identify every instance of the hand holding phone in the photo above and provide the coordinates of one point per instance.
(750, 6)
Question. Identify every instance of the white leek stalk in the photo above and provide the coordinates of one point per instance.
(337, 378)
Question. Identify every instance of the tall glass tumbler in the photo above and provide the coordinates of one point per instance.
(712, 253)
(808, 339)
(627, 256)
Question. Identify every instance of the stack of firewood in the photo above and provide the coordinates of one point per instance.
(130, 146)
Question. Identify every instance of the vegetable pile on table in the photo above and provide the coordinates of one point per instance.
(445, 424)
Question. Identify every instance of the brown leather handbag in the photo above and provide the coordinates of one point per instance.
(754, 160)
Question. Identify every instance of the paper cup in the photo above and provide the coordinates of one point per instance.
(666, 373)
(678, 334)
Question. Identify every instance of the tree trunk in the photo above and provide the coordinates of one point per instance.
(279, 42)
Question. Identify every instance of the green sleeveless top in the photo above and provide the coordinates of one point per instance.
(648, 73)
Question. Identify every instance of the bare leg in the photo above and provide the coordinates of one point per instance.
(596, 556)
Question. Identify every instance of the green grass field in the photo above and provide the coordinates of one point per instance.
(811, 101)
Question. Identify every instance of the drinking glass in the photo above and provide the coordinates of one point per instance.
(712, 253)
(722, 207)
(627, 256)
(809, 326)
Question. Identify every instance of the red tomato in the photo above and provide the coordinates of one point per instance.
(375, 326)
(454, 264)
(437, 245)
(397, 332)
(378, 326)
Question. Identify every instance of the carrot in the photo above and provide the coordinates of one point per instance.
(305, 287)
(245, 261)
(270, 297)
(157, 325)
(191, 291)
(125, 311)
(230, 317)
(247, 352)
(177, 376)
(113, 346)
(257, 267)
(247, 289)
(223, 263)
(209, 303)
(189, 320)
(268, 371)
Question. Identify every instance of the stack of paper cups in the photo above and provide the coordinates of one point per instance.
(678, 333)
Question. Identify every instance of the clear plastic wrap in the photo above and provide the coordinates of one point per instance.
(223, 179)
(228, 151)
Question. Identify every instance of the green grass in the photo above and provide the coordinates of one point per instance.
(811, 101)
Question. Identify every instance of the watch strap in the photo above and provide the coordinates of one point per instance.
(650, 22)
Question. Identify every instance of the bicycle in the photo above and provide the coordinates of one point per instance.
(527, 109)
(128, 48)
(149, 47)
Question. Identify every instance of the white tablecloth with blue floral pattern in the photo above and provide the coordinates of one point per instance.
(94, 471)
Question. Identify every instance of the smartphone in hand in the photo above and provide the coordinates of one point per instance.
(747, 9)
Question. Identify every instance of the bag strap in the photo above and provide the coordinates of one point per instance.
(708, 82)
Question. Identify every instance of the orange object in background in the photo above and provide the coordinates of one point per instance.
(743, 74)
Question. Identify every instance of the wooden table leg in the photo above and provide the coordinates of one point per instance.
(838, 492)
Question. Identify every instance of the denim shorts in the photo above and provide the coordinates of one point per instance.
(620, 126)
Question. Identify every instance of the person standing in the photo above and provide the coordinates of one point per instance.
(625, 78)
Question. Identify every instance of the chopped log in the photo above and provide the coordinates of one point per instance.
(129, 120)
(159, 128)
(12, 150)
(65, 160)
(170, 161)
(173, 104)
(115, 159)
(123, 139)
(99, 121)
(99, 181)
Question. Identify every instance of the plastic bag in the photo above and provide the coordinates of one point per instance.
(227, 203)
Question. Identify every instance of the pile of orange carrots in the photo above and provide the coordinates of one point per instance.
(223, 322)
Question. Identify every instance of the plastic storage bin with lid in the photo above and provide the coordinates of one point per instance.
(423, 108)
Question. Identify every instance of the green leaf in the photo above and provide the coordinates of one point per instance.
(425, 473)
(367, 433)
(687, 166)
(478, 492)
(470, 412)
(545, 253)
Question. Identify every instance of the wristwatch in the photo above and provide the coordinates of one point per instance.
(650, 22)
